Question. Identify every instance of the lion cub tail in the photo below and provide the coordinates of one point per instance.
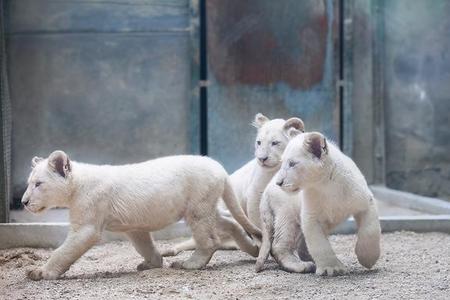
(236, 210)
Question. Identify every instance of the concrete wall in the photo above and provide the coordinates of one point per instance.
(417, 96)
(109, 82)
(401, 93)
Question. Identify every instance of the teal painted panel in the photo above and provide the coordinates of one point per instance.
(103, 92)
(275, 57)
(37, 16)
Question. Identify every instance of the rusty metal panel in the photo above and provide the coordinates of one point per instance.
(417, 96)
(107, 81)
(275, 57)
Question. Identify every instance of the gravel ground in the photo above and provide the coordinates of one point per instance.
(413, 266)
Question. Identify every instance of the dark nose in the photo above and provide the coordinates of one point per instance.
(280, 183)
(25, 201)
(263, 159)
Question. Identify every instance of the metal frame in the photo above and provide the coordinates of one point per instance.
(346, 75)
(196, 134)
(378, 91)
(5, 126)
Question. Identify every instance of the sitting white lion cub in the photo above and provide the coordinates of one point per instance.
(281, 231)
(250, 180)
(333, 189)
(135, 199)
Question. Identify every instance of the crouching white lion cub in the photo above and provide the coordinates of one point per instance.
(333, 189)
(135, 199)
(251, 179)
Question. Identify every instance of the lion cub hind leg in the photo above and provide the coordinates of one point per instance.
(368, 237)
(143, 243)
(303, 252)
(203, 224)
(180, 247)
(287, 242)
(238, 234)
(267, 230)
(226, 243)
(291, 263)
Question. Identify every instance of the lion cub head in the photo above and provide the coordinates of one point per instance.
(304, 162)
(49, 182)
(273, 137)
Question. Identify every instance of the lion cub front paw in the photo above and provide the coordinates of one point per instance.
(39, 274)
(333, 270)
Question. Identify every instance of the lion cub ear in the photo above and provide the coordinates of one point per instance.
(260, 120)
(293, 127)
(35, 161)
(59, 162)
(316, 144)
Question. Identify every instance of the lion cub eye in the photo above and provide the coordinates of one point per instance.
(292, 164)
(274, 143)
(258, 143)
(37, 183)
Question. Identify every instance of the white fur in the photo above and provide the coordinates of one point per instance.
(135, 199)
(281, 231)
(333, 189)
(251, 179)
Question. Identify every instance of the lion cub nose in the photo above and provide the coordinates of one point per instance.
(25, 201)
(263, 159)
(280, 183)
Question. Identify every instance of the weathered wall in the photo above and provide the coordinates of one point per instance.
(417, 96)
(275, 57)
(108, 81)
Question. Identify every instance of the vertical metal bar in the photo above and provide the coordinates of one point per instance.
(378, 91)
(340, 82)
(5, 126)
(203, 80)
(346, 74)
(195, 76)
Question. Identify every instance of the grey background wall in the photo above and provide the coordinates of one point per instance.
(109, 82)
(117, 81)
(400, 93)
(417, 76)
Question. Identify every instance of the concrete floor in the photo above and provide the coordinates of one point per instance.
(412, 266)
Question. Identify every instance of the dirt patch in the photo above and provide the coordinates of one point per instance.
(413, 266)
(19, 257)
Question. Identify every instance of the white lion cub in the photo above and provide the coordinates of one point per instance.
(281, 231)
(333, 189)
(250, 180)
(135, 199)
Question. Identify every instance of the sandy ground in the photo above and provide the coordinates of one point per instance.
(413, 266)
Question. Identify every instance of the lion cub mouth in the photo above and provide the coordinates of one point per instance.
(267, 166)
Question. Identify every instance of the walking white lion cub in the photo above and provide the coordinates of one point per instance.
(250, 180)
(135, 199)
(333, 189)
